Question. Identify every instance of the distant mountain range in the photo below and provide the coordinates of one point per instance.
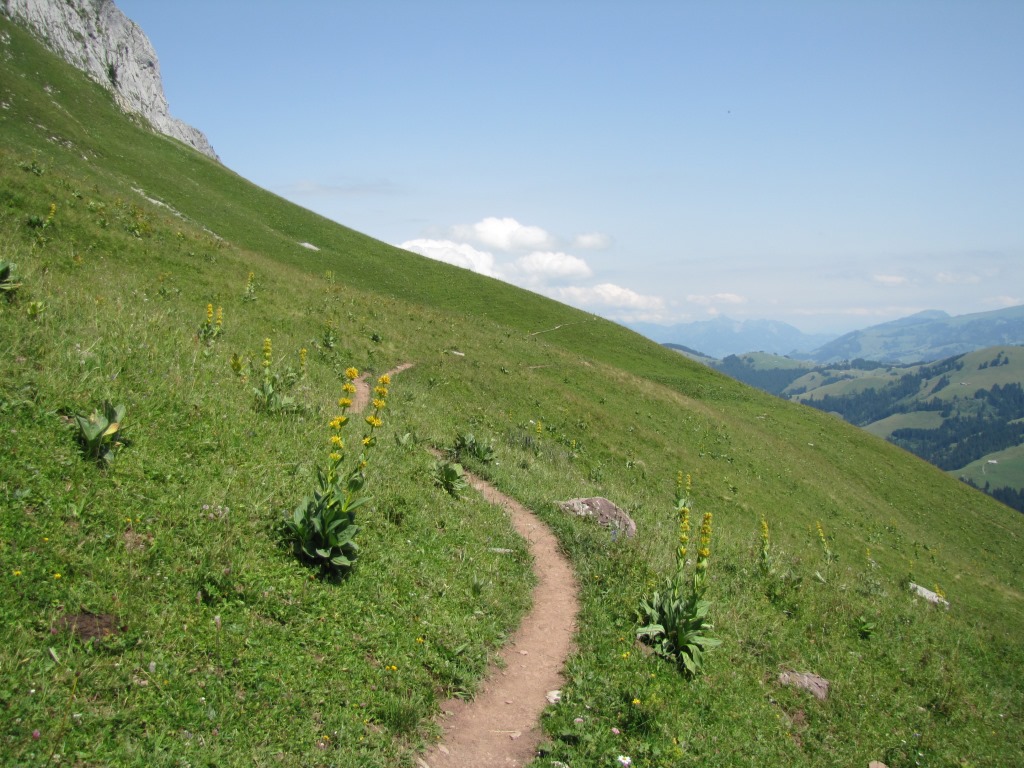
(722, 336)
(926, 336)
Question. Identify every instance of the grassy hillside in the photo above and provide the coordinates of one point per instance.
(152, 614)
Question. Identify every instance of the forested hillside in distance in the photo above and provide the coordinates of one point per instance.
(958, 413)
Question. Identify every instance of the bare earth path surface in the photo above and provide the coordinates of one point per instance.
(361, 399)
(501, 727)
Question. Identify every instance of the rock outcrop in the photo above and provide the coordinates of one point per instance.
(96, 37)
(603, 511)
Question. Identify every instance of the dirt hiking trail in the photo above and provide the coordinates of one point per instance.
(501, 725)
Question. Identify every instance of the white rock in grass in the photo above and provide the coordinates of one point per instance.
(928, 595)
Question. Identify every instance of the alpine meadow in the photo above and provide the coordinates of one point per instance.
(213, 555)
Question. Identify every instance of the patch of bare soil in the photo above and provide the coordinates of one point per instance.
(361, 398)
(501, 726)
(89, 626)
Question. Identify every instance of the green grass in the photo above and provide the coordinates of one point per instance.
(227, 651)
(1007, 470)
(915, 420)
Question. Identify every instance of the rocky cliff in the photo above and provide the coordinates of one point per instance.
(96, 37)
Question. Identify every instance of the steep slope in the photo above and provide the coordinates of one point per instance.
(211, 643)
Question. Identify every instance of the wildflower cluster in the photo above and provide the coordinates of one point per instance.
(212, 325)
(250, 288)
(322, 528)
(683, 506)
(674, 619)
(271, 387)
(826, 548)
(764, 554)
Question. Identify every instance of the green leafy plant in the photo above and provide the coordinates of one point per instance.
(467, 445)
(100, 433)
(674, 620)
(450, 476)
(322, 527)
(212, 326)
(865, 627)
(8, 285)
(271, 387)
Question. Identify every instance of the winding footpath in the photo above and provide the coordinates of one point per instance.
(501, 725)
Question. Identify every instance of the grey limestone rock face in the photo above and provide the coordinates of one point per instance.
(96, 37)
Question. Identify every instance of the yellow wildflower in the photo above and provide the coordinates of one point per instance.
(373, 421)
(220, 316)
(56, 575)
(209, 313)
(381, 391)
(348, 387)
(351, 373)
(705, 536)
(379, 404)
(345, 402)
(335, 456)
(338, 422)
(367, 441)
(267, 350)
(684, 532)
(636, 702)
(384, 380)
(17, 573)
(336, 441)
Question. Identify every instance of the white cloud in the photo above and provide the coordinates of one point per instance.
(591, 241)
(952, 278)
(608, 295)
(716, 298)
(1004, 301)
(458, 254)
(505, 235)
(547, 265)
(890, 280)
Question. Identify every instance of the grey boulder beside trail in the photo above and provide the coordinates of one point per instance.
(97, 38)
(603, 512)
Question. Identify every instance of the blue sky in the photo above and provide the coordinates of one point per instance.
(828, 164)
